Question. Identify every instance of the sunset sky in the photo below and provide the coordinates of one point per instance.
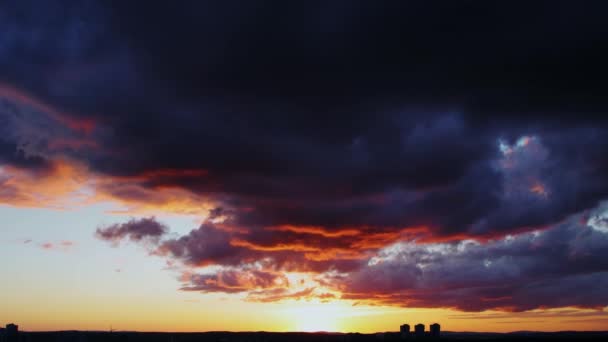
(303, 166)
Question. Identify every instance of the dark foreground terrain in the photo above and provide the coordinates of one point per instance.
(85, 336)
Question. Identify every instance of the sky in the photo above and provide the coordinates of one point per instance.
(303, 166)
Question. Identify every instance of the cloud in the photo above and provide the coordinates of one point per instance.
(59, 185)
(309, 249)
(138, 230)
(397, 134)
(275, 295)
(399, 154)
(64, 245)
(203, 246)
(235, 280)
(558, 267)
(47, 245)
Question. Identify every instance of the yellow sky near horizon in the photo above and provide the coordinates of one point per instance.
(190, 312)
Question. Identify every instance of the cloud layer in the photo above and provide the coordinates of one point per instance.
(561, 266)
(316, 138)
(558, 267)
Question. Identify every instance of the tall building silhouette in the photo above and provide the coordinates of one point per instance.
(10, 332)
(435, 329)
(405, 330)
(419, 330)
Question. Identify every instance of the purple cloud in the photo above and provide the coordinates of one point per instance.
(562, 266)
(144, 229)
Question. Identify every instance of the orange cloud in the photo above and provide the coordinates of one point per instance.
(335, 253)
(295, 247)
(67, 184)
(135, 198)
(57, 188)
(275, 295)
(315, 230)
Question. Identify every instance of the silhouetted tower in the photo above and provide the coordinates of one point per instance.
(405, 330)
(419, 330)
(11, 332)
(435, 330)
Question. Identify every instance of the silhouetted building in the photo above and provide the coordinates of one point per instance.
(435, 329)
(404, 329)
(10, 333)
(419, 330)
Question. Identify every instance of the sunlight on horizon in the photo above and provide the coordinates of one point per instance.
(313, 317)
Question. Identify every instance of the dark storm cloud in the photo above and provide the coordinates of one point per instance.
(11, 153)
(487, 55)
(332, 115)
(323, 130)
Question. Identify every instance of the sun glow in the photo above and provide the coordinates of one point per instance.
(313, 317)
